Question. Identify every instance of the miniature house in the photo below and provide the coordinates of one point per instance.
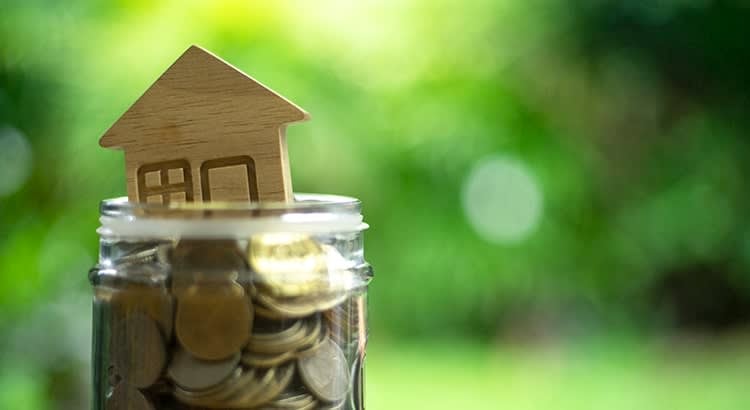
(205, 131)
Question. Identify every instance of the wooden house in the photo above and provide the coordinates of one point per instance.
(205, 131)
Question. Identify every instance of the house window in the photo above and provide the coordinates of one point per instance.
(229, 179)
(164, 182)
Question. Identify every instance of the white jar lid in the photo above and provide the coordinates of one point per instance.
(309, 213)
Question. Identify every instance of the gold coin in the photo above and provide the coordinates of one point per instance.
(310, 406)
(264, 360)
(316, 340)
(299, 306)
(291, 400)
(276, 341)
(266, 313)
(325, 372)
(333, 406)
(298, 336)
(137, 350)
(197, 398)
(304, 342)
(192, 373)
(214, 321)
(288, 264)
(246, 390)
(281, 379)
(127, 398)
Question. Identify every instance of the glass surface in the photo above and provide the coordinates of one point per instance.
(269, 320)
(303, 203)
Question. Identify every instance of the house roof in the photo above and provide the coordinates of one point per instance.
(201, 88)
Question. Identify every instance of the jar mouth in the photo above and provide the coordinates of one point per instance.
(303, 202)
(311, 213)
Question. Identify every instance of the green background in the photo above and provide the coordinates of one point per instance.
(556, 189)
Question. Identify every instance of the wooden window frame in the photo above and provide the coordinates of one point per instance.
(165, 188)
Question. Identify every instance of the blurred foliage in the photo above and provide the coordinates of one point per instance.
(629, 118)
(609, 373)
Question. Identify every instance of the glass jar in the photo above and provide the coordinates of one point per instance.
(230, 306)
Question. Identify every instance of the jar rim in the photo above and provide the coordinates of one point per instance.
(303, 202)
(310, 213)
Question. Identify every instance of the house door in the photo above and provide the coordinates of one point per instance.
(229, 179)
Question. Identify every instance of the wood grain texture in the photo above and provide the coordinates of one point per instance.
(202, 113)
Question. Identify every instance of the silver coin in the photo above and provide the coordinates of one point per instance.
(191, 373)
(127, 398)
(325, 372)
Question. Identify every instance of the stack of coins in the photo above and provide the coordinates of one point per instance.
(271, 322)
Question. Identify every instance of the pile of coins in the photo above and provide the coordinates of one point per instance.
(274, 322)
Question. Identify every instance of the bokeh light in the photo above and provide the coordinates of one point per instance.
(16, 160)
(502, 200)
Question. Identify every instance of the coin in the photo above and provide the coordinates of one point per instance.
(333, 406)
(127, 398)
(150, 300)
(240, 341)
(204, 262)
(276, 341)
(314, 336)
(315, 341)
(197, 255)
(192, 373)
(147, 255)
(247, 388)
(212, 395)
(299, 306)
(325, 372)
(268, 388)
(287, 264)
(346, 324)
(213, 321)
(250, 390)
(291, 400)
(265, 360)
(266, 313)
(137, 352)
(124, 253)
(301, 335)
